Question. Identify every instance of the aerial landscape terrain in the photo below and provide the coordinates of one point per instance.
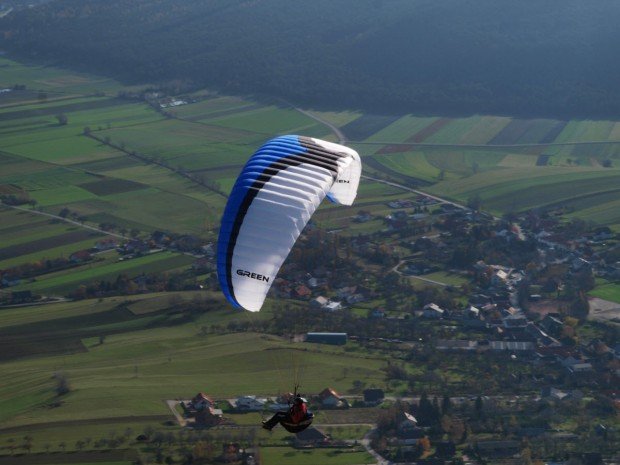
(464, 310)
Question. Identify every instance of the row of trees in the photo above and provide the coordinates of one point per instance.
(441, 57)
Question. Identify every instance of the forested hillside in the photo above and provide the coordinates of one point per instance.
(551, 58)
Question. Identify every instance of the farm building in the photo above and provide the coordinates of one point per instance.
(497, 449)
(433, 311)
(330, 398)
(250, 403)
(209, 417)
(311, 437)
(327, 338)
(373, 396)
(201, 401)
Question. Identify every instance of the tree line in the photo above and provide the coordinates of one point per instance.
(530, 58)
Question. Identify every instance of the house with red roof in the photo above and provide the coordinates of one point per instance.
(330, 398)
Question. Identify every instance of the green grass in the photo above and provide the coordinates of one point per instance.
(51, 178)
(65, 280)
(412, 164)
(446, 278)
(133, 372)
(269, 121)
(51, 79)
(483, 129)
(401, 130)
(27, 232)
(337, 118)
(48, 254)
(518, 189)
(290, 456)
(205, 109)
(610, 291)
(47, 312)
(64, 195)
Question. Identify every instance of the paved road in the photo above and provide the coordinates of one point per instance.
(339, 134)
(343, 140)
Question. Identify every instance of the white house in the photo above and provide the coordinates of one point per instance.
(432, 311)
(333, 306)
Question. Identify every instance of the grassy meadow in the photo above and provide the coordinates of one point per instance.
(510, 164)
(124, 356)
(129, 174)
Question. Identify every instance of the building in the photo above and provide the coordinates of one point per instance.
(512, 346)
(250, 403)
(432, 311)
(456, 344)
(327, 338)
(330, 398)
(373, 396)
(311, 437)
(209, 417)
(201, 401)
(497, 449)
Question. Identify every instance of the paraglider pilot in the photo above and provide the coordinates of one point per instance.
(296, 417)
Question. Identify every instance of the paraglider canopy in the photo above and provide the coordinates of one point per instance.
(275, 195)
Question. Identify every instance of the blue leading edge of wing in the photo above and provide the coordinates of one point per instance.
(270, 152)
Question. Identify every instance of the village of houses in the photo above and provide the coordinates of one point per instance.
(541, 334)
(533, 328)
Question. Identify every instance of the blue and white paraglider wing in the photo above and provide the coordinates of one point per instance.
(276, 193)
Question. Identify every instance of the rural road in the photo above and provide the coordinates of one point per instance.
(66, 220)
(430, 196)
(339, 134)
(489, 146)
(343, 140)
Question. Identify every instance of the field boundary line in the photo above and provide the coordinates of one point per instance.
(342, 140)
(66, 220)
(487, 146)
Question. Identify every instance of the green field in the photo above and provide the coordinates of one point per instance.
(608, 291)
(289, 456)
(64, 281)
(511, 164)
(132, 372)
(211, 137)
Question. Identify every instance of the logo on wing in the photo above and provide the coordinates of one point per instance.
(249, 274)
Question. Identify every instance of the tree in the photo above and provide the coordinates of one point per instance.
(62, 384)
(474, 202)
(446, 405)
(62, 119)
(478, 406)
(27, 444)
